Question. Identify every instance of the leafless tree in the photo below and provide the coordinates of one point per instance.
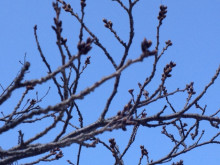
(66, 79)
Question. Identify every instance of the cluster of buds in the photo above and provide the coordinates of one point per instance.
(143, 151)
(58, 23)
(127, 107)
(33, 101)
(162, 13)
(56, 7)
(59, 154)
(167, 70)
(169, 43)
(58, 28)
(190, 89)
(145, 93)
(112, 143)
(63, 41)
(83, 3)
(108, 24)
(145, 45)
(85, 47)
(67, 7)
(113, 147)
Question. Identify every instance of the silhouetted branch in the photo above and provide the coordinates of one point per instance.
(186, 133)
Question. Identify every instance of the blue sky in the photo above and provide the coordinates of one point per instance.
(193, 27)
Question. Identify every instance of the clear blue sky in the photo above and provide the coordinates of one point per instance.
(193, 27)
